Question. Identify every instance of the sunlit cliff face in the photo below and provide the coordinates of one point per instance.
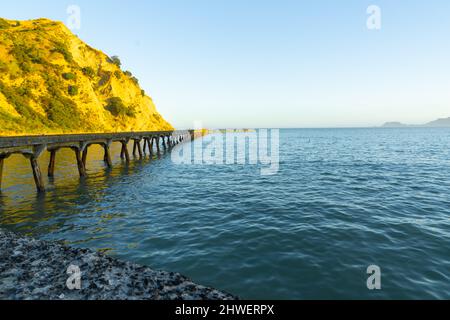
(52, 82)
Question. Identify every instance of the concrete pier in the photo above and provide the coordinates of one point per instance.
(32, 148)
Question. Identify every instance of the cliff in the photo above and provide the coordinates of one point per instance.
(51, 82)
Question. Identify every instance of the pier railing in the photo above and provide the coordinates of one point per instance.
(32, 147)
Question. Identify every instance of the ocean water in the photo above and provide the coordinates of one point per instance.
(343, 199)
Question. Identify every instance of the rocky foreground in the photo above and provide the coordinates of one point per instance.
(38, 270)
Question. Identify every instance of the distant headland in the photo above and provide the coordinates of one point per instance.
(439, 123)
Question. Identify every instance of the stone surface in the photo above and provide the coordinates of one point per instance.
(32, 269)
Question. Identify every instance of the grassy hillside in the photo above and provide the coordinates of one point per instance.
(51, 82)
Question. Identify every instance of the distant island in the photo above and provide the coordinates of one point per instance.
(439, 123)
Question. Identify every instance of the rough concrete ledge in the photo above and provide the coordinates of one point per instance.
(32, 269)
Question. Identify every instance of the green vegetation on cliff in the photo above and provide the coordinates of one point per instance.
(52, 82)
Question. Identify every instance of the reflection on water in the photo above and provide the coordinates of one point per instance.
(342, 200)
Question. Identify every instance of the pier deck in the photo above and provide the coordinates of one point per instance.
(32, 147)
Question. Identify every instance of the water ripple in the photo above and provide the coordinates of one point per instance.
(342, 200)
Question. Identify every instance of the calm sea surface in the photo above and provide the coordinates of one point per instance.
(343, 199)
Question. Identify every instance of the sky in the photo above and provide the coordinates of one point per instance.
(274, 64)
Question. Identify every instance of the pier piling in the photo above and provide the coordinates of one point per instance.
(85, 153)
(51, 164)
(80, 164)
(2, 160)
(158, 149)
(134, 148)
(139, 148)
(149, 146)
(122, 152)
(108, 160)
(125, 152)
(145, 145)
(33, 146)
(39, 181)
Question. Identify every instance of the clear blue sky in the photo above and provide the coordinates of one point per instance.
(256, 63)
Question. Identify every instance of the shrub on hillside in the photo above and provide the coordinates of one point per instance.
(73, 90)
(132, 78)
(88, 71)
(63, 112)
(135, 80)
(116, 60)
(69, 76)
(62, 49)
(4, 24)
(26, 56)
(20, 100)
(118, 74)
(117, 108)
(3, 67)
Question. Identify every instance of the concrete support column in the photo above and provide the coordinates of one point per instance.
(37, 175)
(134, 148)
(2, 161)
(122, 151)
(146, 145)
(35, 168)
(125, 152)
(157, 145)
(85, 153)
(108, 160)
(51, 163)
(150, 146)
(137, 146)
(80, 164)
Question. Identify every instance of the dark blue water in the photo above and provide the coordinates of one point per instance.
(343, 199)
